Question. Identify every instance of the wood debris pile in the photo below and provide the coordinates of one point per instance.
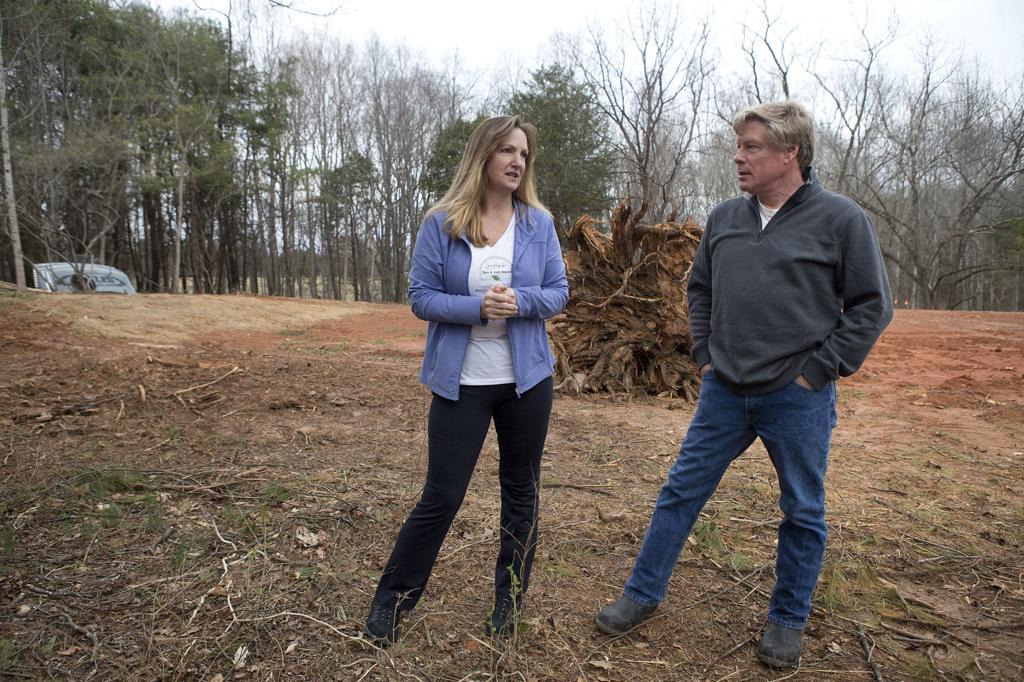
(626, 328)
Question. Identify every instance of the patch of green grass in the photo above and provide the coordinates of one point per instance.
(709, 538)
(233, 515)
(606, 456)
(7, 654)
(893, 603)
(308, 572)
(922, 668)
(934, 516)
(758, 490)
(853, 585)
(154, 521)
(741, 562)
(834, 587)
(7, 542)
(243, 521)
(868, 544)
(275, 493)
(181, 552)
(110, 515)
(565, 560)
(849, 584)
(293, 331)
(88, 529)
(102, 484)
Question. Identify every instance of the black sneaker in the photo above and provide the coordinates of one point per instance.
(382, 625)
(780, 646)
(504, 619)
(622, 616)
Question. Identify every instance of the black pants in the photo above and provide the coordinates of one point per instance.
(456, 432)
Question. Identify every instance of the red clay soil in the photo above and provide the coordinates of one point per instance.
(208, 487)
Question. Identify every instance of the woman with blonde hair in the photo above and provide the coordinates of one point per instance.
(486, 272)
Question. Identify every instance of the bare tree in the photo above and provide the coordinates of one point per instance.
(855, 92)
(764, 40)
(939, 174)
(405, 102)
(652, 83)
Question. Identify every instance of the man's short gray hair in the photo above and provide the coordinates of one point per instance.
(788, 124)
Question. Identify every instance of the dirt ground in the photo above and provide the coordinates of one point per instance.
(208, 487)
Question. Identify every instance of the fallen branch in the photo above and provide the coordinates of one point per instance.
(95, 657)
(907, 635)
(47, 593)
(596, 489)
(869, 652)
(234, 370)
(86, 407)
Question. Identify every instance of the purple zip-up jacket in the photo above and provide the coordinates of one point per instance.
(439, 294)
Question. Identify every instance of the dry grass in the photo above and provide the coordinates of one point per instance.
(236, 531)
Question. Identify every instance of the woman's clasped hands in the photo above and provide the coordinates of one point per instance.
(499, 303)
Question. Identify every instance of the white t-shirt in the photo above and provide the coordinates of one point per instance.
(488, 358)
(766, 213)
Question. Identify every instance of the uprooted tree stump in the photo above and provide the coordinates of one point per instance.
(626, 328)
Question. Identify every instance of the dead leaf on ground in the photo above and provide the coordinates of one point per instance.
(308, 538)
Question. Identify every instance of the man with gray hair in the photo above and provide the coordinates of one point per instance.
(788, 292)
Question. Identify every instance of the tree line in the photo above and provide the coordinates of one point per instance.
(214, 154)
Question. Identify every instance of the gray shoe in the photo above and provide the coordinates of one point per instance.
(780, 646)
(622, 616)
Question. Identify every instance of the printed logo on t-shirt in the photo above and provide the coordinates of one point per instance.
(494, 270)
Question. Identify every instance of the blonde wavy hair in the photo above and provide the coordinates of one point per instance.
(464, 200)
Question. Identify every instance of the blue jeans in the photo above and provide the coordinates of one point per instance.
(795, 424)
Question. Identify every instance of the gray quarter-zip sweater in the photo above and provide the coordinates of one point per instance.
(807, 295)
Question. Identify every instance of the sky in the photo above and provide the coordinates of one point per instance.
(483, 38)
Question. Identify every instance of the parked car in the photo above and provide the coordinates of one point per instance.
(81, 278)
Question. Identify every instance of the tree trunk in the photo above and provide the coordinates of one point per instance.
(12, 209)
(176, 266)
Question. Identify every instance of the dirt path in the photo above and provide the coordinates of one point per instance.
(168, 516)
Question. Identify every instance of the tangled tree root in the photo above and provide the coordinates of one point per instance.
(626, 328)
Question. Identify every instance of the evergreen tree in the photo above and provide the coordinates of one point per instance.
(445, 155)
(574, 163)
